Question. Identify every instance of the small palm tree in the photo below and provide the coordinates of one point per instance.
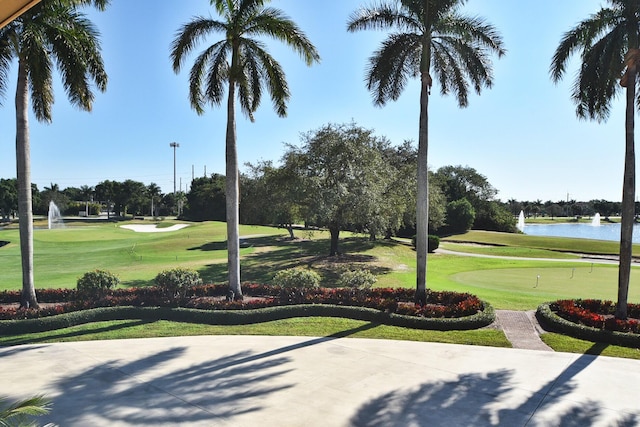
(243, 64)
(52, 33)
(431, 36)
(20, 413)
(608, 42)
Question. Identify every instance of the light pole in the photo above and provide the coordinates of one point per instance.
(174, 145)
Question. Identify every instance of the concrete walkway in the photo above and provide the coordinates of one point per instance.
(522, 329)
(300, 381)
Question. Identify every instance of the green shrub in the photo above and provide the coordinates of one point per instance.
(357, 279)
(297, 278)
(176, 282)
(433, 242)
(97, 283)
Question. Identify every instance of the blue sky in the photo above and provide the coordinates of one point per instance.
(522, 134)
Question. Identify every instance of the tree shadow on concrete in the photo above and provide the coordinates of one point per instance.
(135, 393)
(480, 399)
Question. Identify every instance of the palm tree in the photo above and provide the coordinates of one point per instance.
(154, 192)
(608, 42)
(431, 35)
(241, 63)
(21, 412)
(87, 195)
(51, 33)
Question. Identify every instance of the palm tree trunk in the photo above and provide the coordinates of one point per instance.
(25, 213)
(232, 190)
(628, 198)
(422, 205)
(334, 231)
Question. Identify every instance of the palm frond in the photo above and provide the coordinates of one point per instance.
(582, 38)
(211, 65)
(19, 412)
(383, 16)
(188, 37)
(275, 24)
(389, 67)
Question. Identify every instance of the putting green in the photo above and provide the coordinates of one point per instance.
(550, 283)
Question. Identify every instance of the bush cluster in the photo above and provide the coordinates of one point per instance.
(97, 284)
(175, 283)
(297, 278)
(357, 279)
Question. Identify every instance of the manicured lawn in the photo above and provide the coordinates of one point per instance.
(308, 326)
(61, 256)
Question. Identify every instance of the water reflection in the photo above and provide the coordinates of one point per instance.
(583, 231)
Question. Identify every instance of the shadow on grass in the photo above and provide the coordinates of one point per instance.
(58, 335)
(261, 266)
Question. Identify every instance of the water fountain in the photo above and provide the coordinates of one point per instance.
(54, 218)
(596, 220)
(521, 221)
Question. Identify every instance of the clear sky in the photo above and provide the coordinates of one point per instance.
(522, 134)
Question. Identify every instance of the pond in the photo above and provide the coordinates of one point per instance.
(583, 231)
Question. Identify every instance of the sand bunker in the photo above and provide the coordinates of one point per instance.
(153, 228)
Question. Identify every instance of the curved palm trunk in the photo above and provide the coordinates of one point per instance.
(23, 163)
(628, 198)
(232, 190)
(422, 205)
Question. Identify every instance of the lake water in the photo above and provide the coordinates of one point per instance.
(584, 231)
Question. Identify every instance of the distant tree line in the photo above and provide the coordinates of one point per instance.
(567, 208)
(113, 197)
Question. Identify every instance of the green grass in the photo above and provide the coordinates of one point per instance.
(308, 326)
(61, 256)
(564, 343)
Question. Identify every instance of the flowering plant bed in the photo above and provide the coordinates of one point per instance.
(444, 310)
(593, 320)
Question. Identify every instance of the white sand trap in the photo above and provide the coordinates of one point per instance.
(153, 228)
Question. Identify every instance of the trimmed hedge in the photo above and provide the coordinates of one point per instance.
(242, 317)
(552, 322)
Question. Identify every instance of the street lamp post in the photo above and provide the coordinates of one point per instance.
(174, 145)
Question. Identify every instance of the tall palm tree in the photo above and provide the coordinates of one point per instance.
(608, 43)
(243, 64)
(431, 36)
(52, 33)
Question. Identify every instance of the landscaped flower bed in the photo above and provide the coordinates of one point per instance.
(592, 320)
(212, 297)
(598, 314)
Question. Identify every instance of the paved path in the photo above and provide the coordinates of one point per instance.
(522, 329)
(300, 381)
